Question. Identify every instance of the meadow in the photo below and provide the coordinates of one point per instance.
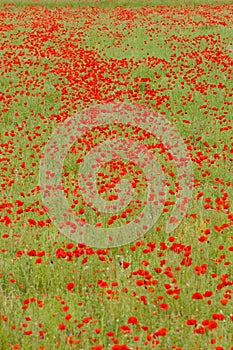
(164, 290)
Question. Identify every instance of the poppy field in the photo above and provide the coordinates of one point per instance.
(162, 284)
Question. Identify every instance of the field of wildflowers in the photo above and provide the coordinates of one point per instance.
(164, 290)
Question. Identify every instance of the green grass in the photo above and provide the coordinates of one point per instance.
(114, 3)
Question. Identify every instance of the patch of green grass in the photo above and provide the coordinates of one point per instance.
(112, 4)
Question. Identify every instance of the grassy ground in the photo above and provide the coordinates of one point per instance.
(115, 3)
(165, 291)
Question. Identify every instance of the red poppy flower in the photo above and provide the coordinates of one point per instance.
(70, 286)
(164, 306)
(132, 320)
(212, 325)
(61, 326)
(200, 330)
(97, 347)
(197, 295)
(191, 322)
(160, 332)
(125, 329)
(218, 317)
(120, 347)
